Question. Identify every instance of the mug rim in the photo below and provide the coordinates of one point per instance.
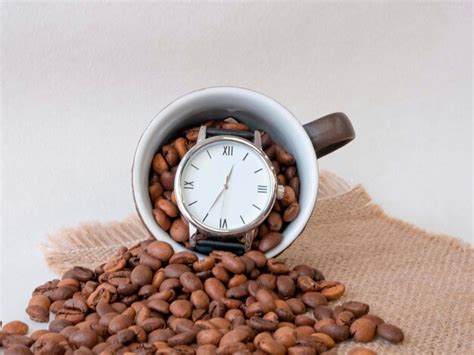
(141, 203)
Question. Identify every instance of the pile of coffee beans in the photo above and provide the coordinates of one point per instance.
(149, 300)
(161, 186)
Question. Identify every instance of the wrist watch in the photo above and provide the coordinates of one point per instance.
(225, 188)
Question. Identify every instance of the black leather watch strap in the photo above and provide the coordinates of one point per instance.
(206, 246)
(211, 132)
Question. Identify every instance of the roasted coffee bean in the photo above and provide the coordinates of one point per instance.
(214, 288)
(200, 299)
(274, 221)
(183, 257)
(15, 339)
(291, 212)
(289, 196)
(323, 312)
(162, 219)
(358, 309)
(159, 164)
(185, 338)
(15, 327)
(337, 332)
(258, 257)
(205, 264)
(79, 273)
(181, 308)
(302, 350)
(175, 270)
(304, 320)
(390, 332)
(267, 281)
(361, 351)
(363, 330)
(261, 325)
(375, 319)
(284, 157)
(221, 273)
(179, 231)
(18, 349)
(190, 282)
(269, 241)
(233, 263)
(87, 338)
(344, 318)
(333, 291)
(160, 250)
(313, 299)
(324, 339)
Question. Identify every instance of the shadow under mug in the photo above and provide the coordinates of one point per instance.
(306, 142)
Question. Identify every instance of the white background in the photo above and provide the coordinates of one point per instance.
(81, 81)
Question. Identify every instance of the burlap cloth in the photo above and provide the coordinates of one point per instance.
(420, 281)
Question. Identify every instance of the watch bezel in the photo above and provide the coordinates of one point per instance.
(218, 232)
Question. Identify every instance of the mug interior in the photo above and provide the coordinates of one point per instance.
(258, 112)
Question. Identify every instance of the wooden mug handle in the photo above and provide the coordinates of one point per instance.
(330, 133)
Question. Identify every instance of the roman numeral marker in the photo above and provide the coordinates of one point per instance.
(189, 185)
(222, 223)
(245, 156)
(242, 219)
(210, 157)
(262, 189)
(228, 150)
(192, 203)
(194, 166)
(258, 208)
(256, 171)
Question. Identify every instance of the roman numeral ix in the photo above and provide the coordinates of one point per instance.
(189, 185)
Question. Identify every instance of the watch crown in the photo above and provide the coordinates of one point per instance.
(280, 192)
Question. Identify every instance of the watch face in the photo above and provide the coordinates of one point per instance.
(225, 185)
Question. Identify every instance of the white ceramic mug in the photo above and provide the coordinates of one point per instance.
(258, 111)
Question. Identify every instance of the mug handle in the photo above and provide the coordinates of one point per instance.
(330, 133)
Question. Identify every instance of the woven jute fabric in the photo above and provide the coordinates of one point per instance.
(419, 281)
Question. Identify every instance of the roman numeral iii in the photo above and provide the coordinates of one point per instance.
(262, 189)
(189, 185)
(222, 223)
(228, 150)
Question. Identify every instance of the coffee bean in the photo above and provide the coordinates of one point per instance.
(361, 351)
(358, 309)
(160, 250)
(38, 308)
(269, 241)
(171, 155)
(333, 292)
(179, 231)
(183, 257)
(324, 339)
(375, 319)
(337, 332)
(301, 350)
(181, 308)
(260, 324)
(181, 146)
(159, 164)
(390, 332)
(344, 318)
(297, 305)
(167, 207)
(274, 221)
(18, 349)
(79, 273)
(141, 275)
(363, 330)
(16, 339)
(87, 338)
(214, 288)
(291, 212)
(289, 196)
(200, 299)
(209, 336)
(205, 264)
(323, 312)
(233, 263)
(162, 219)
(286, 336)
(313, 299)
(304, 320)
(283, 156)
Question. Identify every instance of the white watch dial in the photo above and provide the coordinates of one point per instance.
(226, 185)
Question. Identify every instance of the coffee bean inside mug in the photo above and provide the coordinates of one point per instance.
(264, 236)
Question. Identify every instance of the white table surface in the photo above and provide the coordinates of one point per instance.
(81, 81)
